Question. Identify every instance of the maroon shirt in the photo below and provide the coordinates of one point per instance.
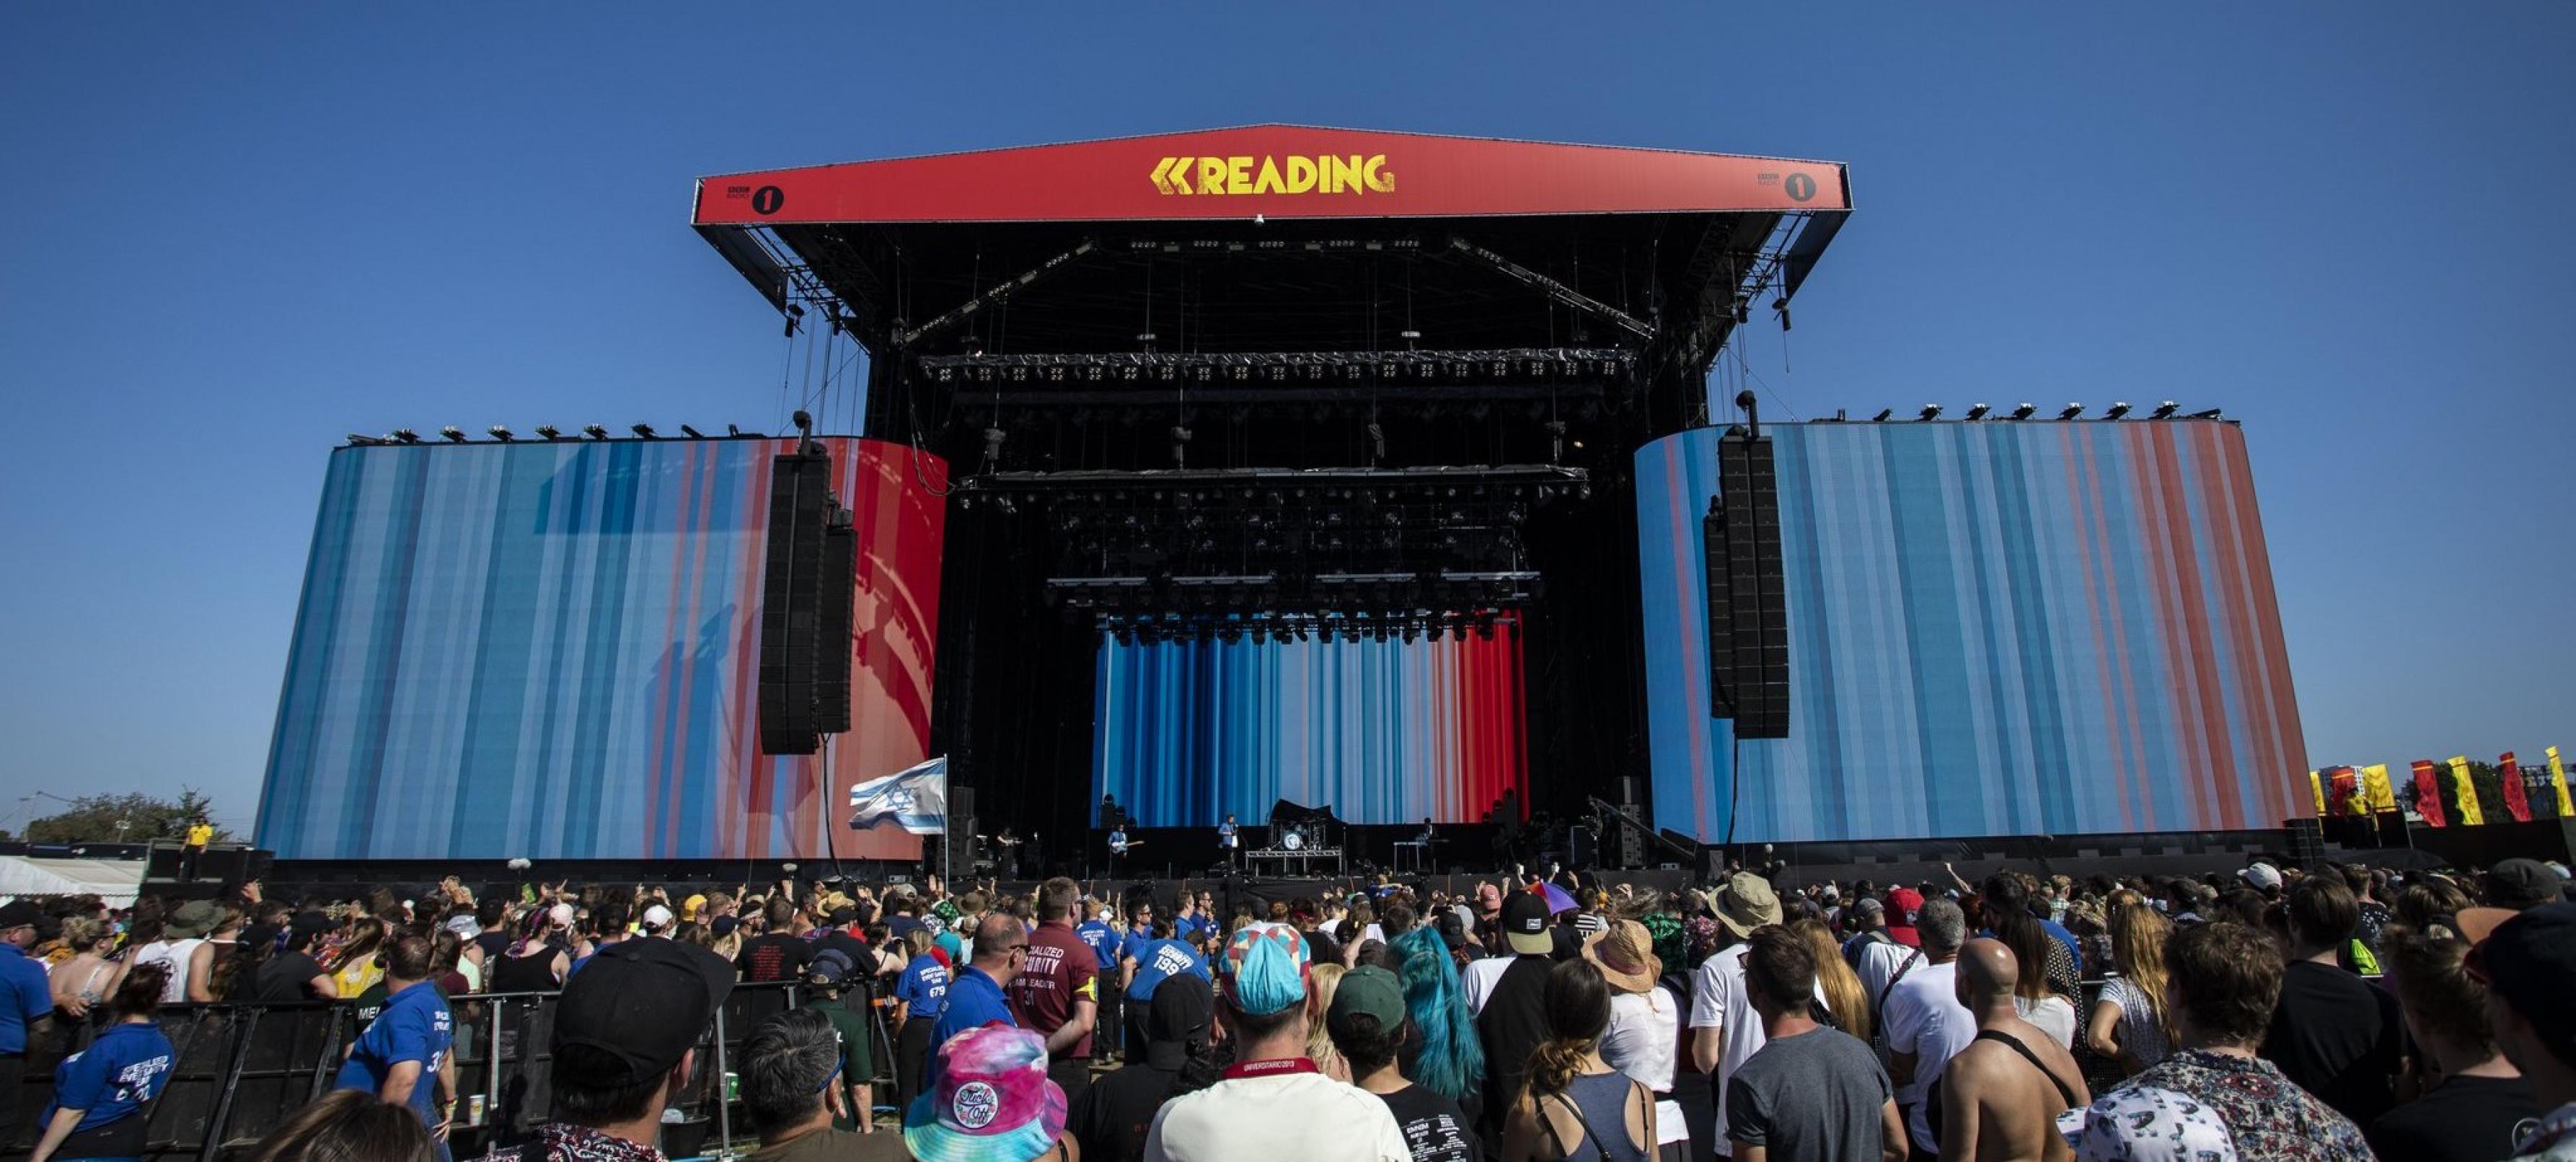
(1061, 970)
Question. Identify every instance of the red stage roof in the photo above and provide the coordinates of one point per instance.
(1276, 171)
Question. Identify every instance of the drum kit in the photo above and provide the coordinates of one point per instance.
(1293, 837)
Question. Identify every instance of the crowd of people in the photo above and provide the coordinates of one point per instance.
(2278, 1013)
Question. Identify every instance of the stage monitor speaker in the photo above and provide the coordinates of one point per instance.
(791, 618)
(1631, 844)
(1748, 615)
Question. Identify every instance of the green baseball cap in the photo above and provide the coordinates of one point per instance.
(1370, 990)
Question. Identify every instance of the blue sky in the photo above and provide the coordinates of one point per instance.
(235, 233)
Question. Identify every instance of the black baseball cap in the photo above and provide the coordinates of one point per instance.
(20, 914)
(2520, 883)
(642, 1004)
(2529, 960)
(1525, 924)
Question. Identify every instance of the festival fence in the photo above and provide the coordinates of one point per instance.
(242, 1069)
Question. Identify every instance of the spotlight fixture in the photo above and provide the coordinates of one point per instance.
(2072, 410)
(692, 433)
(406, 435)
(501, 433)
(1931, 411)
(2166, 410)
(1882, 416)
(594, 431)
(1410, 337)
(2211, 414)
(454, 434)
(359, 440)
(2119, 408)
(550, 431)
(644, 430)
(1780, 307)
(1978, 411)
(2023, 411)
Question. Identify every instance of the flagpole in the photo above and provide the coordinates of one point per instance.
(831, 781)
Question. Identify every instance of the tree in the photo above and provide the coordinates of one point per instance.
(131, 818)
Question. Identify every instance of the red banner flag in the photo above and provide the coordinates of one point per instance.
(2428, 794)
(2516, 799)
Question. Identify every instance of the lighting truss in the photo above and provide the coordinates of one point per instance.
(1144, 369)
(1480, 623)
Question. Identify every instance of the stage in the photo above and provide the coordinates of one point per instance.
(1383, 493)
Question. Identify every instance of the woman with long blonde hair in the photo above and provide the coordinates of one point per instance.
(1321, 981)
(2130, 1024)
(1846, 1002)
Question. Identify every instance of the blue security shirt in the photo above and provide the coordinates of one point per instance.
(24, 997)
(1103, 940)
(974, 1000)
(1160, 959)
(415, 1026)
(924, 986)
(117, 1075)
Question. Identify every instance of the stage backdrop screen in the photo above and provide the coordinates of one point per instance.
(1995, 628)
(1381, 731)
(548, 649)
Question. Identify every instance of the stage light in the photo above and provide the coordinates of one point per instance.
(2072, 410)
(2119, 408)
(1978, 411)
(360, 441)
(1931, 411)
(2023, 411)
(594, 431)
(500, 433)
(732, 430)
(1780, 306)
(2211, 414)
(454, 434)
(406, 435)
(692, 433)
(2166, 410)
(1882, 416)
(644, 430)
(550, 431)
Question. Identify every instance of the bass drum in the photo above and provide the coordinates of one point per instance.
(1294, 840)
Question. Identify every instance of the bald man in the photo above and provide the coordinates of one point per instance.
(2001, 1095)
(975, 995)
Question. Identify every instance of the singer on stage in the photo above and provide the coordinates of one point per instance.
(1230, 840)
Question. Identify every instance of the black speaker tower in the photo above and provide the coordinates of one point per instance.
(805, 603)
(1748, 612)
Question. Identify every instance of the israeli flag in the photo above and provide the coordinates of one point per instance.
(915, 799)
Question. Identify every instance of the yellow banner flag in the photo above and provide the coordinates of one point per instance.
(2468, 791)
(2374, 782)
(2317, 787)
(2558, 782)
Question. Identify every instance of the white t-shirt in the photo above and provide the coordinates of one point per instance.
(1718, 1001)
(1925, 1018)
(2052, 1014)
(173, 955)
(1644, 1029)
(1283, 1116)
(1879, 963)
(1477, 981)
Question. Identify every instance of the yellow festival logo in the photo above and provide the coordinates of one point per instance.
(1325, 174)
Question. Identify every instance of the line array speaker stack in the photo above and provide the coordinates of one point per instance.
(1748, 613)
(805, 605)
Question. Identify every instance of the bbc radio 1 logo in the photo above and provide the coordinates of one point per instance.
(1799, 186)
(764, 201)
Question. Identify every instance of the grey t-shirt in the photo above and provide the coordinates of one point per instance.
(1813, 1096)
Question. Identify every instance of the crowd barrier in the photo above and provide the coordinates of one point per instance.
(241, 1069)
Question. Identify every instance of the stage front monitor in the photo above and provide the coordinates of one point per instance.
(549, 649)
(1382, 731)
(1995, 628)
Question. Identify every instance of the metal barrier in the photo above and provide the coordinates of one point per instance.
(241, 1069)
